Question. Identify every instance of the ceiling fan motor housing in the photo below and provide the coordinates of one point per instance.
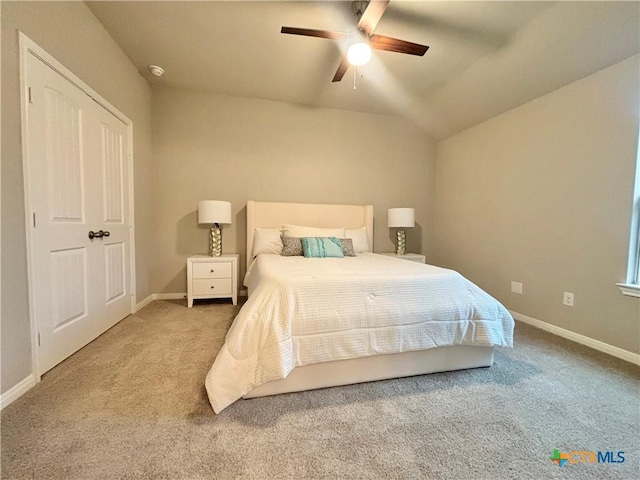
(358, 7)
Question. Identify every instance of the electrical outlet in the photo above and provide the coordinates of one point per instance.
(568, 299)
(516, 287)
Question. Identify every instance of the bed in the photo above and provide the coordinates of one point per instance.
(321, 322)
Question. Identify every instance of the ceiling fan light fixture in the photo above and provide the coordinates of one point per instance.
(359, 53)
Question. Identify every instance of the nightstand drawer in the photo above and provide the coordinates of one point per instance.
(214, 286)
(212, 270)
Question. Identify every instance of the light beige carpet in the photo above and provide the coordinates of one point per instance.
(132, 405)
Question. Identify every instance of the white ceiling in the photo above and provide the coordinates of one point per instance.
(484, 58)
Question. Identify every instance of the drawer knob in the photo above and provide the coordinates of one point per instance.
(212, 270)
(212, 286)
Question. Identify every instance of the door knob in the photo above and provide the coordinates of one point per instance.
(93, 234)
(106, 233)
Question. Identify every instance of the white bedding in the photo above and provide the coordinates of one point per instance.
(303, 311)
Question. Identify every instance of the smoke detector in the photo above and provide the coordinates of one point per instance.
(156, 71)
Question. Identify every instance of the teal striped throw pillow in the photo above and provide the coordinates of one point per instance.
(321, 247)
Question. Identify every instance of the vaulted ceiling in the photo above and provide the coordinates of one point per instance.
(484, 58)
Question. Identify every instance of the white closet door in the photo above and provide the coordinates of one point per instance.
(115, 261)
(77, 164)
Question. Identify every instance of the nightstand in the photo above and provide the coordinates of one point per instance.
(212, 277)
(414, 257)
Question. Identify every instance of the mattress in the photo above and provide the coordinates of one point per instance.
(303, 311)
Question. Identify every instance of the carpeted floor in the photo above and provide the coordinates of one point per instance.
(132, 405)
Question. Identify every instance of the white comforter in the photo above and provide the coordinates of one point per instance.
(303, 311)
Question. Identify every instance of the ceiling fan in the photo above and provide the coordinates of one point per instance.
(368, 14)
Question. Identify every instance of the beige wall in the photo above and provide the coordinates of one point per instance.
(216, 147)
(69, 32)
(543, 195)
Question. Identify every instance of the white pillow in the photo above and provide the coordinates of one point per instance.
(299, 231)
(266, 240)
(360, 239)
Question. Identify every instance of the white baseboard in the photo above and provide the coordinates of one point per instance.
(144, 303)
(581, 339)
(159, 296)
(169, 296)
(17, 391)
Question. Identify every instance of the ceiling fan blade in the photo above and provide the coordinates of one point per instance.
(382, 42)
(309, 32)
(372, 15)
(342, 69)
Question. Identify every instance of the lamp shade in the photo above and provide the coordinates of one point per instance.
(214, 211)
(401, 217)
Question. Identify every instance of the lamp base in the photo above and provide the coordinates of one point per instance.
(401, 242)
(215, 241)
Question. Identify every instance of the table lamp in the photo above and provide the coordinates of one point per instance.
(400, 218)
(214, 213)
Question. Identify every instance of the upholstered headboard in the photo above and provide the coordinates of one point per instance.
(274, 215)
